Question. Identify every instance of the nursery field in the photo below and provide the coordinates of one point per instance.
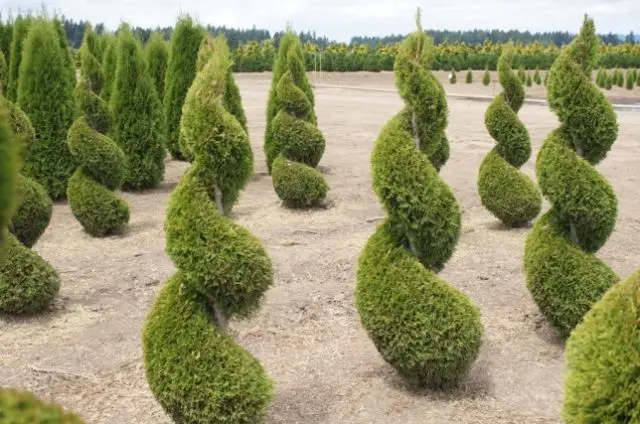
(86, 353)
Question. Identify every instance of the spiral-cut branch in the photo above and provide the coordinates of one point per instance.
(293, 143)
(194, 367)
(425, 328)
(102, 163)
(506, 192)
(563, 275)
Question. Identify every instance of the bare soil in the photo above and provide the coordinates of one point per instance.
(86, 352)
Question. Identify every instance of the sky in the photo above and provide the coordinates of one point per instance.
(342, 19)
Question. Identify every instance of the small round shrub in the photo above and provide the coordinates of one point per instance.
(602, 384)
(429, 331)
(21, 407)
(294, 134)
(194, 368)
(563, 274)
(102, 163)
(506, 192)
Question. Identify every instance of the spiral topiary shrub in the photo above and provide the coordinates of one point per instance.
(21, 407)
(9, 160)
(603, 357)
(193, 366)
(45, 94)
(563, 274)
(157, 53)
(102, 163)
(294, 145)
(136, 114)
(506, 192)
(34, 207)
(181, 70)
(429, 331)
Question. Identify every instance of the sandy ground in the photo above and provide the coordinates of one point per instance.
(86, 353)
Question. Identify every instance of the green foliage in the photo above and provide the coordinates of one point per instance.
(469, 78)
(293, 131)
(425, 328)
(4, 74)
(90, 66)
(602, 384)
(109, 64)
(506, 192)
(638, 77)
(21, 407)
(601, 78)
(181, 70)
(536, 76)
(453, 78)
(223, 272)
(20, 30)
(69, 63)
(102, 162)
(529, 81)
(157, 53)
(9, 161)
(630, 80)
(486, 78)
(137, 116)
(522, 74)
(619, 76)
(609, 82)
(563, 275)
(45, 94)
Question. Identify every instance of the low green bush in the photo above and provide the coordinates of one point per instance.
(21, 407)
(297, 184)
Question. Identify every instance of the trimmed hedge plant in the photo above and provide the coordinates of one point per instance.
(181, 70)
(294, 144)
(564, 276)
(102, 163)
(22, 407)
(429, 331)
(506, 192)
(45, 94)
(602, 384)
(193, 366)
(136, 115)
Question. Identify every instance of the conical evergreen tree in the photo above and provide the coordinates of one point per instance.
(630, 80)
(601, 78)
(20, 31)
(429, 331)
(453, 78)
(137, 115)
(506, 192)
(65, 47)
(6, 33)
(109, 63)
(297, 145)
(181, 70)
(638, 77)
(4, 74)
(602, 384)
(102, 163)
(522, 74)
(45, 94)
(486, 78)
(157, 53)
(529, 81)
(223, 273)
(609, 82)
(536, 76)
(564, 276)
(469, 77)
(619, 78)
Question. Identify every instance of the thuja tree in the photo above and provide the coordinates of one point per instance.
(28, 283)
(506, 192)
(45, 94)
(296, 144)
(157, 53)
(486, 78)
(630, 80)
(453, 78)
(20, 31)
(4, 74)
(223, 273)
(602, 384)
(22, 407)
(8, 176)
(563, 274)
(536, 76)
(102, 162)
(601, 78)
(469, 77)
(429, 331)
(34, 207)
(137, 115)
(181, 70)
(109, 63)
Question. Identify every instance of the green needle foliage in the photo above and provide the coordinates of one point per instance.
(601, 78)
(619, 78)
(506, 192)
(181, 70)
(109, 64)
(630, 80)
(602, 384)
(157, 53)
(536, 76)
(137, 116)
(453, 78)
(564, 276)
(102, 163)
(486, 78)
(529, 81)
(469, 78)
(426, 329)
(295, 144)
(223, 273)
(638, 77)
(4, 74)
(609, 82)
(21, 407)
(9, 161)
(20, 31)
(522, 74)
(45, 94)
(35, 207)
